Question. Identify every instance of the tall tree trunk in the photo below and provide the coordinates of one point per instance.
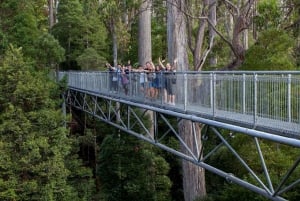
(242, 20)
(144, 51)
(115, 43)
(246, 39)
(51, 13)
(145, 46)
(254, 28)
(193, 176)
(170, 29)
(211, 4)
(213, 18)
(196, 44)
(197, 53)
(229, 24)
(194, 185)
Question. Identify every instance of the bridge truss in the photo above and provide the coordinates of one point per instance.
(123, 115)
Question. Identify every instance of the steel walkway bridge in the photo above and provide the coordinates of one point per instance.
(262, 105)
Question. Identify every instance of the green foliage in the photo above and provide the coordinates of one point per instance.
(34, 146)
(11, 70)
(130, 170)
(79, 28)
(90, 60)
(269, 14)
(70, 29)
(272, 51)
(80, 177)
(3, 41)
(49, 53)
(39, 161)
(222, 52)
(95, 35)
(175, 173)
(21, 24)
(235, 192)
(119, 18)
(112, 11)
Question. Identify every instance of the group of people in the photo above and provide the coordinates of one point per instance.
(154, 81)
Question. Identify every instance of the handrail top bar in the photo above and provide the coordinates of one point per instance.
(205, 72)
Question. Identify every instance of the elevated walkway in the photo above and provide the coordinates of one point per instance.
(263, 105)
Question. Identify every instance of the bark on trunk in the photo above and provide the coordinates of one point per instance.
(115, 45)
(144, 48)
(51, 13)
(241, 23)
(197, 53)
(212, 34)
(193, 176)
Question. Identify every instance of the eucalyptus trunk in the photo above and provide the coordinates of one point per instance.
(51, 13)
(212, 34)
(144, 37)
(242, 20)
(115, 44)
(145, 46)
(197, 50)
(193, 176)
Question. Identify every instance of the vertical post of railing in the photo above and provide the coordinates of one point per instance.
(94, 81)
(289, 92)
(162, 80)
(77, 77)
(255, 99)
(97, 81)
(81, 80)
(74, 76)
(130, 94)
(86, 80)
(102, 81)
(108, 81)
(69, 79)
(91, 82)
(213, 92)
(244, 93)
(185, 91)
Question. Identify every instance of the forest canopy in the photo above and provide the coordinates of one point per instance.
(48, 155)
